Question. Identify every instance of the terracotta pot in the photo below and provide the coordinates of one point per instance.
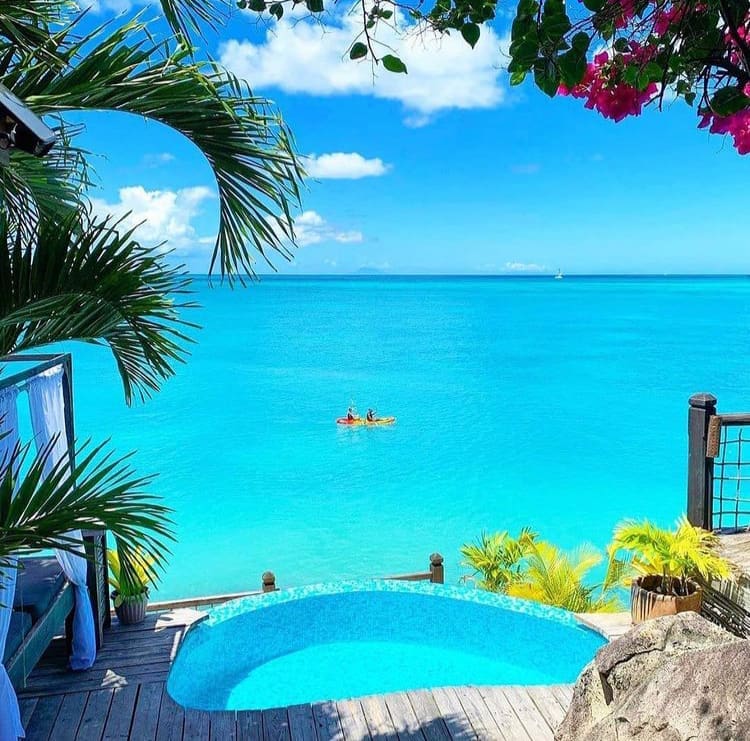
(133, 610)
(646, 603)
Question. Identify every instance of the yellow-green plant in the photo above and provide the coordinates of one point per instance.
(554, 577)
(677, 556)
(497, 559)
(129, 573)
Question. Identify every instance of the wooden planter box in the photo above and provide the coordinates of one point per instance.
(646, 603)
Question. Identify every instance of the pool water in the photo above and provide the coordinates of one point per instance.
(330, 642)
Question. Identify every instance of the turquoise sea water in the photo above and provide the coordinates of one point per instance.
(367, 637)
(557, 404)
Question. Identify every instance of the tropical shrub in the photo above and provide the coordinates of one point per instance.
(677, 556)
(129, 574)
(496, 559)
(537, 570)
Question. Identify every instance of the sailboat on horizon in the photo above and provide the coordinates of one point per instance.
(559, 275)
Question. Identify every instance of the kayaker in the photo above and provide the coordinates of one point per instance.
(370, 415)
(350, 414)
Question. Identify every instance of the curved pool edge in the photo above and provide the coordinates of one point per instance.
(242, 605)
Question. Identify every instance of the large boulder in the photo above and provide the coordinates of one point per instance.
(675, 678)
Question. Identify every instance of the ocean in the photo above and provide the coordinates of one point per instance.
(558, 404)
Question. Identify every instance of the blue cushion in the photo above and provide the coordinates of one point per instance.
(20, 624)
(39, 581)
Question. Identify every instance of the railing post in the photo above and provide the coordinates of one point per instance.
(268, 581)
(437, 575)
(700, 468)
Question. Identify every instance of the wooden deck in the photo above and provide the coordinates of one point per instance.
(124, 697)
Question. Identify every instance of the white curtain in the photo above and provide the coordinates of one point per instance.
(47, 403)
(10, 718)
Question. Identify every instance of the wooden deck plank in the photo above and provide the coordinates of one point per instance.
(378, 718)
(301, 723)
(197, 725)
(69, 717)
(223, 726)
(276, 725)
(527, 713)
(353, 722)
(26, 705)
(249, 725)
(564, 694)
(507, 721)
(431, 724)
(95, 715)
(548, 706)
(43, 718)
(146, 713)
(458, 724)
(327, 721)
(479, 714)
(120, 713)
(171, 718)
(403, 716)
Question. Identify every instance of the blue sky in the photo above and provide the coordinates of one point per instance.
(455, 171)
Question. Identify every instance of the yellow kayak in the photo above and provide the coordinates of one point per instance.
(362, 421)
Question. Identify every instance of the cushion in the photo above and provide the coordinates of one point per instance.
(20, 624)
(38, 582)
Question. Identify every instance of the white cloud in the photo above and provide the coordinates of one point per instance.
(525, 267)
(343, 166)
(167, 215)
(298, 56)
(311, 228)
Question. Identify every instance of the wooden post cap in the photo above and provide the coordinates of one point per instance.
(703, 400)
(436, 559)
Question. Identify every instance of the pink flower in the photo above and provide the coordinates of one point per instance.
(737, 125)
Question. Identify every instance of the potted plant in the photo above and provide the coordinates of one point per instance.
(663, 566)
(129, 579)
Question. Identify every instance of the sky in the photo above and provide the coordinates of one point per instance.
(445, 170)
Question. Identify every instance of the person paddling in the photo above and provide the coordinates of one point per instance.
(370, 415)
(350, 415)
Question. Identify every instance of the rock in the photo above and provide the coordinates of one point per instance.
(676, 678)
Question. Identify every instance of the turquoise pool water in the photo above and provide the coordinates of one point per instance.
(334, 641)
(557, 404)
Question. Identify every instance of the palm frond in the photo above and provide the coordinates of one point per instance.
(189, 17)
(245, 142)
(85, 280)
(52, 186)
(38, 510)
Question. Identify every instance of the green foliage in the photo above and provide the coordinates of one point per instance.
(129, 572)
(531, 569)
(553, 577)
(358, 50)
(37, 511)
(687, 552)
(84, 279)
(496, 559)
(393, 63)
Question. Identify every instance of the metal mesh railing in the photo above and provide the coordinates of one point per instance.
(731, 475)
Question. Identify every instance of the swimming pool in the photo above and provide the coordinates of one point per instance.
(350, 639)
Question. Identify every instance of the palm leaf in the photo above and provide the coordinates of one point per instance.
(247, 145)
(38, 510)
(84, 280)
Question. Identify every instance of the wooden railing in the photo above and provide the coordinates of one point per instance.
(718, 466)
(435, 574)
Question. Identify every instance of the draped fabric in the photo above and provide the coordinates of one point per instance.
(10, 717)
(47, 404)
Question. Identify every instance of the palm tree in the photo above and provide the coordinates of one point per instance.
(68, 274)
(687, 552)
(561, 579)
(497, 559)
